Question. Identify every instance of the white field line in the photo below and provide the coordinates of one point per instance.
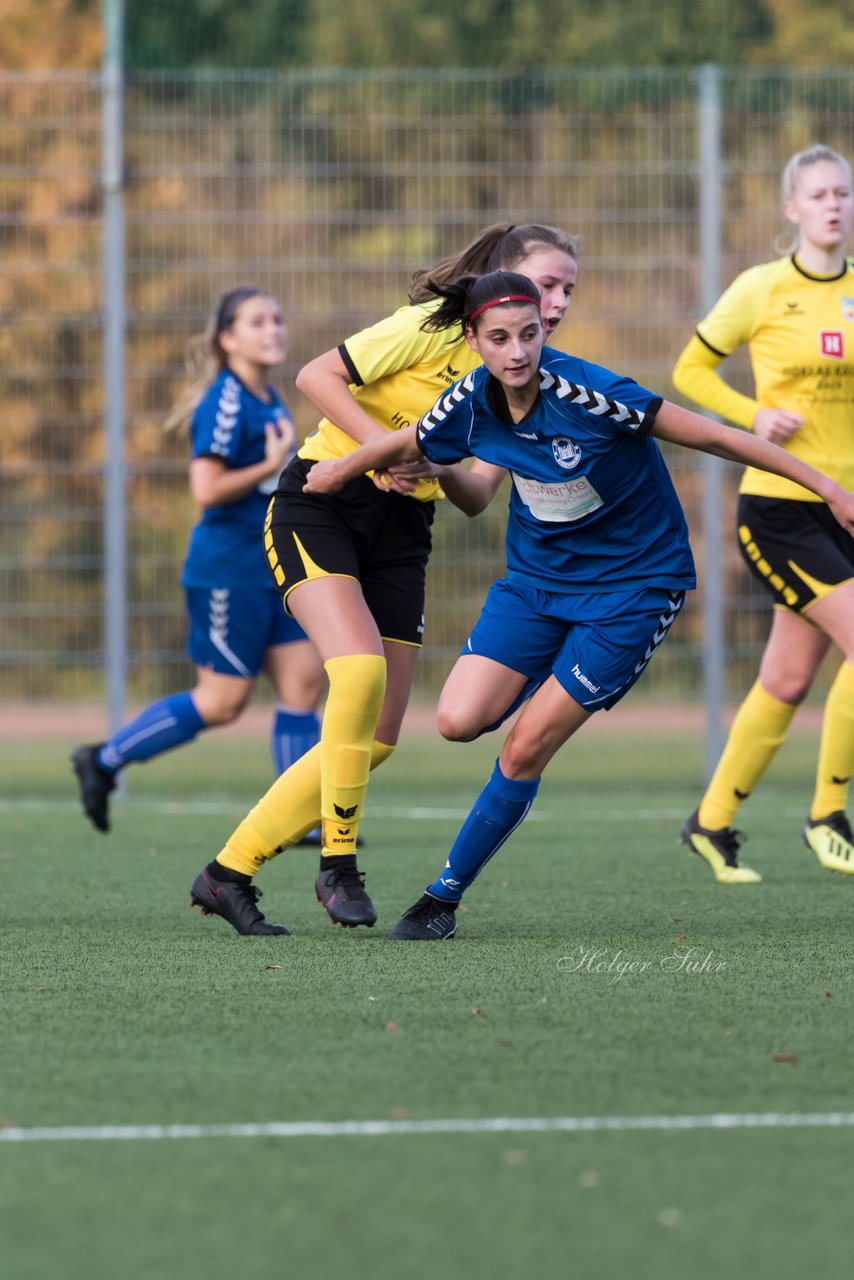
(391, 1128)
(29, 804)
(233, 808)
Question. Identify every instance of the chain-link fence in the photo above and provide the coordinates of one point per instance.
(329, 189)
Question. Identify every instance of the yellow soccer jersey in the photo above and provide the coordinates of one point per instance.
(399, 372)
(800, 332)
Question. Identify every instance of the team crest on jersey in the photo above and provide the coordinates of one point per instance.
(832, 343)
(848, 308)
(567, 453)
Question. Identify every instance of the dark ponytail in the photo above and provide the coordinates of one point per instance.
(500, 247)
(464, 299)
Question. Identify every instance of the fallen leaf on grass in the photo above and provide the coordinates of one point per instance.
(828, 994)
(513, 1157)
(392, 1026)
(399, 1113)
(680, 937)
(274, 966)
(784, 1057)
(478, 1013)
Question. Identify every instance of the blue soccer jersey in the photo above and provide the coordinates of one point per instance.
(592, 505)
(226, 546)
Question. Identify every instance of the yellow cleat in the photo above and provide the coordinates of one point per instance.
(831, 841)
(720, 850)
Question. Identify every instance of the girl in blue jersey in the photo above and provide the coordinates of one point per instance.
(241, 436)
(598, 559)
(351, 569)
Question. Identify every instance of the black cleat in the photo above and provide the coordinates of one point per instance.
(427, 920)
(720, 849)
(236, 903)
(95, 784)
(341, 890)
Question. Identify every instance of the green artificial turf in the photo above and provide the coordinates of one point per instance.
(598, 972)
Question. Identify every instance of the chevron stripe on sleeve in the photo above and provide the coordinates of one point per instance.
(594, 402)
(446, 402)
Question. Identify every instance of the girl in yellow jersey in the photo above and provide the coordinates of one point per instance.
(351, 570)
(797, 317)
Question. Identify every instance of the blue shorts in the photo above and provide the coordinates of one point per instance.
(596, 644)
(231, 628)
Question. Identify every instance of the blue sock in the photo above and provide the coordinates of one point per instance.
(495, 814)
(165, 724)
(294, 733)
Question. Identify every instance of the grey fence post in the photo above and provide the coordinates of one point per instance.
(115, 497)
(711, 238)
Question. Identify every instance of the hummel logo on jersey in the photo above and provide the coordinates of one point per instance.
(526, 435)
(345, 814)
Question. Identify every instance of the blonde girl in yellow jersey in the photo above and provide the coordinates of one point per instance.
(796, 316)
(351, 570)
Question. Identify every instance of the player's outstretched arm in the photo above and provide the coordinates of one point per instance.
(331, 474)
(681, 426)
(472, 488)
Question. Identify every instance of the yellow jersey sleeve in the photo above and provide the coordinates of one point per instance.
(799, 329)
(399, 371)
(733, 320)
(396, 344)
(695, 375)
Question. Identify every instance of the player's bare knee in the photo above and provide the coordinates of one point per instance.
(454, 725)
(219, 711)
(521, 757)
(790, 687)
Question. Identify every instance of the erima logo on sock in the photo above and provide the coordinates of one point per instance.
(345, 814)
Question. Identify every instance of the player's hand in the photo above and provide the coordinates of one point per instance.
(842, 507)
(403, 477)
(387, 482)
(278, 445)
(776, 425)
(325, 477)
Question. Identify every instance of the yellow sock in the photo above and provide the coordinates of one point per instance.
(353, 705)
(757, 732)
(836, 752)
(289, 809)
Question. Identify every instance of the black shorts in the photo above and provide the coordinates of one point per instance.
(380, 539)
(796, 549)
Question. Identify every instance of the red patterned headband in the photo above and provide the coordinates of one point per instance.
(508, 297)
